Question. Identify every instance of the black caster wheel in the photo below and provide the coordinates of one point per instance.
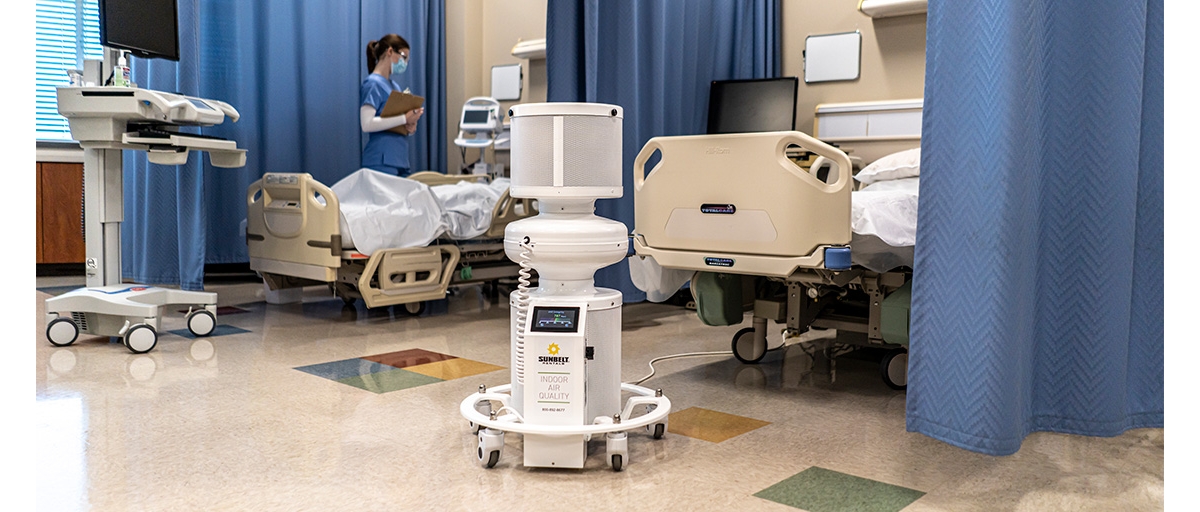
(894, 369)
(414, 308)
(493, 458)
(62, 332)
(201, 322)
(617, 462)
(744, 348)
(659, 430)
(140, 339)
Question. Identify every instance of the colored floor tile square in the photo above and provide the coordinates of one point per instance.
(219, 330)
(709, 425)
(406, 358)
(346, 368)
(822, 490)
(389, 380)
(453, 368)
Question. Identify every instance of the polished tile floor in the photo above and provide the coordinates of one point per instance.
(317, 406)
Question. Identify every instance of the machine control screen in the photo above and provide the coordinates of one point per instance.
(475, 116)
(548, 319)
(200, 104)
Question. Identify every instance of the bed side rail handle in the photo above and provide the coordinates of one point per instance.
(639, 163)
(822, 149)
(334, 244)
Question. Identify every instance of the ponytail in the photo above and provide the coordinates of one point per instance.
(372, 59)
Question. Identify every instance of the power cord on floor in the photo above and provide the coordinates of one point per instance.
(677, 356)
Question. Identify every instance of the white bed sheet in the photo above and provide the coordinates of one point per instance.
(382, 211)
(883, 222)
(887, 210)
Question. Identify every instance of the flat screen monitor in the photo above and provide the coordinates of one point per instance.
(146, 28)
(758, 105)
(476, 119)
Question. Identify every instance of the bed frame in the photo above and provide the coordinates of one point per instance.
(294, 239)
(734, 206)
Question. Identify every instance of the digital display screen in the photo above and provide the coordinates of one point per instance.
(555, 319)
(147, 28)
(759, 105)
(200, 104)
(475, 117)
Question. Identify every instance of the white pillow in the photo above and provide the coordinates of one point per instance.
(903, 164)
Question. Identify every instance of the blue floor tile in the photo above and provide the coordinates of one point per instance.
(337, 370)
(219, 330)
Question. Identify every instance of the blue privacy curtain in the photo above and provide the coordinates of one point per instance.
(164, 231)
(1037, 287)
(292, 70)
(656, 60)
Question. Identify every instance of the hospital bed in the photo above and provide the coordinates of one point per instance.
(756, 232)
(295, 239)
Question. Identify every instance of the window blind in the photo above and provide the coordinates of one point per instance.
(66, 33)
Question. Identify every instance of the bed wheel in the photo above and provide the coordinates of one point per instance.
(414, 308)
(894, 369)
(348, 301)
(744, 349)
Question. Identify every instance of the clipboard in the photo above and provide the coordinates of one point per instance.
(399, 103)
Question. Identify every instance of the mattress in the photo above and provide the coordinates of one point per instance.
(883, 222)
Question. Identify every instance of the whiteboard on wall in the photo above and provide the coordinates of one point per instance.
(506, 82)
(831, 57)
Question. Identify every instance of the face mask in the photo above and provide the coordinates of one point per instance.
(399, 67)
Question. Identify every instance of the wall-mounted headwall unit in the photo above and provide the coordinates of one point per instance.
(889, 8)
(869, 120)
(531, 49)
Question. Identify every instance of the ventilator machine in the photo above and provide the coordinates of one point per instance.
(565, 387)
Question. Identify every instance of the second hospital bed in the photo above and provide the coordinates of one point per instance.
(296, 233)
(753, 231)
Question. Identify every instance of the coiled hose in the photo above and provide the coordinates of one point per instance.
(522, 304)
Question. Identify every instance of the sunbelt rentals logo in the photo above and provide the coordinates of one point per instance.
(553, 358)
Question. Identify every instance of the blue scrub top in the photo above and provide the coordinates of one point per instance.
(386, 150)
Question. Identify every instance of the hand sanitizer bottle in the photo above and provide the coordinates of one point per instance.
(121, 72)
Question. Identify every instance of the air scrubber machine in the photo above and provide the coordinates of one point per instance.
(566, 333)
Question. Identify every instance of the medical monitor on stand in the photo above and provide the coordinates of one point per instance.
(758, 105)
(145, 28)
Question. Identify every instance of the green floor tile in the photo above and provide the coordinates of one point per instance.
(393, 380)
(821, 490)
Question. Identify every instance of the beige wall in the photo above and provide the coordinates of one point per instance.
(481, 34)
(464, 40)
(893, 54)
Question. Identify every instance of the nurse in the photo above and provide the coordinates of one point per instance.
(386, 151)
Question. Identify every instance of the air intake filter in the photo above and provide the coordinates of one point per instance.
(566, 150)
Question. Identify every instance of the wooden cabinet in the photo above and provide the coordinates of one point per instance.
(60, 213)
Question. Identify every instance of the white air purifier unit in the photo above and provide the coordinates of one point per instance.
(566, 332)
